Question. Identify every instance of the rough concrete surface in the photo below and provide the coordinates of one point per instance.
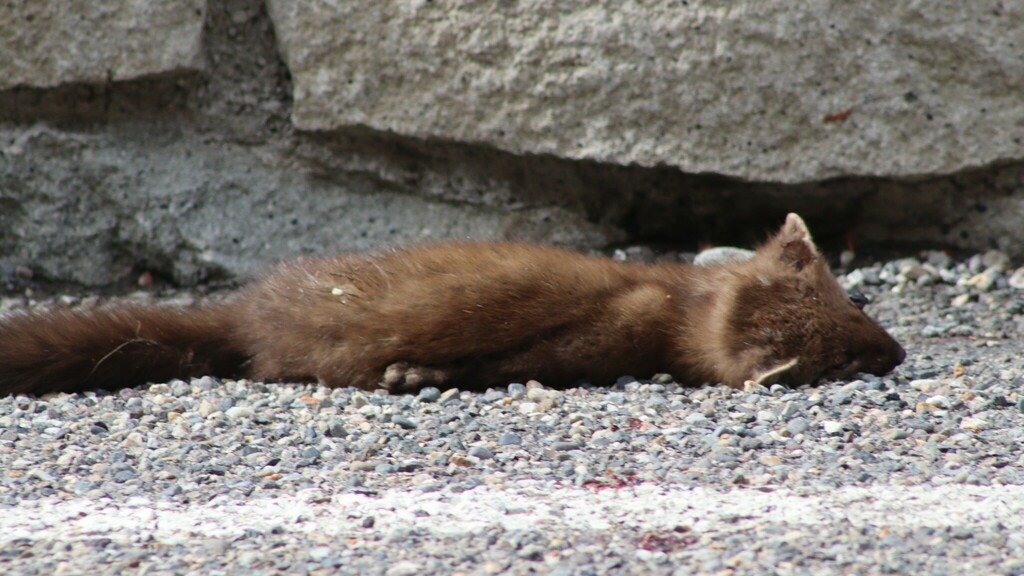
(196, 164)
(758, 90)
(45, 44)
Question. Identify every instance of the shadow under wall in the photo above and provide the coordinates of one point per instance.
(973, 210)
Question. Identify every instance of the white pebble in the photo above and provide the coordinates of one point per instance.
(696, 418)
(973, 424)
(1016, 279)
(722, 255)
(924, 385)
(528, 407)
(996, 259)
(832, 427)
(855, 279)
(961, 300)
(239, 412)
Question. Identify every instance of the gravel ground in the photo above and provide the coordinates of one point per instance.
(918, 472)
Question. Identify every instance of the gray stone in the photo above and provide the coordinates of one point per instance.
(722, 255)
(201, 176)
(752, 91)
(404, 421)
(429, 394)
(509, 439)
(797, 426)
(565, 446)
(1016, 279)
(516, 391)
(45, 44)
(481, 452)
(148, 184)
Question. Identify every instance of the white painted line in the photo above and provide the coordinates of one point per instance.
(517, 506)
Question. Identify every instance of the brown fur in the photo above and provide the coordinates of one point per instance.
(474, 315)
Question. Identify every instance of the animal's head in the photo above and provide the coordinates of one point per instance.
(788, 320)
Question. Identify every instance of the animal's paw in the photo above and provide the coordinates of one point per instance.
(404, 377)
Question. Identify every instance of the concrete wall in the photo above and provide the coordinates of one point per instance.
(202, 140)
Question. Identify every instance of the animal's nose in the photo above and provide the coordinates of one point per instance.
(901, 354)
(891, 359)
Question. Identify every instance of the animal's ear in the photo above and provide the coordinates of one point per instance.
(796, 248)
(772, 374)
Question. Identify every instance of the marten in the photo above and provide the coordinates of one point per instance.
(474, 315)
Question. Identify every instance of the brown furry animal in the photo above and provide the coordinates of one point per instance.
(474, 315)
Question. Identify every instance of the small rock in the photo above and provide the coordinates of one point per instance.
(404, 421)
(722, 255)
(528, 408)
(696, 419)
(797, 426)
(924, 385)
(239, 412)
(983, 281)
(336, 429)
(428, 394)
(855, 279)
(846, 258)
(481, 452)
(616, 398)
(996, 259)
(911, 268)
(1016, 280)
(509, 439)
(448, 395)
(832, 427)
(563, 446)
(962, 300)
(840, 398)
(404, 568)
(973, 424)
(516, 391)
(939, 259)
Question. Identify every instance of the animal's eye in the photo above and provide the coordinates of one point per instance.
(859, 300)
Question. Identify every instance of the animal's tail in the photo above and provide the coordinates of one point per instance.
(116, 347)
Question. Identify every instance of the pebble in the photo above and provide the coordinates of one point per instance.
(973, 424)
(797, 426)
(239, 412)
(696, 418)
(1016, 280)
(720, 255)
(832, 427)
(404, 421)
(509, 439)
(516, 391)
(481, 452)
(429, 394)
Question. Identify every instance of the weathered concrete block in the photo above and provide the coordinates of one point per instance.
(45, 44)
(771, 91)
